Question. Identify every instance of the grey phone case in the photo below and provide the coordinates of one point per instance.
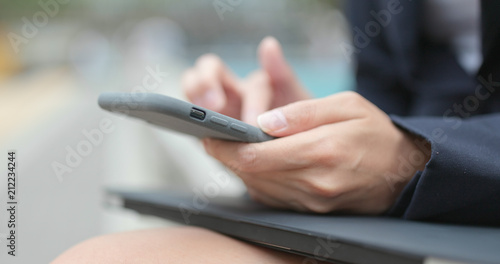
(181, 116)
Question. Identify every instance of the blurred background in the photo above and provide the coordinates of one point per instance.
(57, 56)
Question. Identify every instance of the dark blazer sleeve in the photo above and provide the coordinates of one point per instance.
(416, 83)
(461, 181)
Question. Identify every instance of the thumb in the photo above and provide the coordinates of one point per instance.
(274, 64)
(309, 114)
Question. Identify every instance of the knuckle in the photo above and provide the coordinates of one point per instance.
(318, 207)
(323, 189)
(300, 113)
(352, 95)
(354, 100)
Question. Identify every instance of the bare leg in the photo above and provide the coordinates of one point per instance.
(172, 245)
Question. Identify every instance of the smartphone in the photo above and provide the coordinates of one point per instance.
(181, 116)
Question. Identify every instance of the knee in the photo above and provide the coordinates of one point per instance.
(175, 245)
(135, 246)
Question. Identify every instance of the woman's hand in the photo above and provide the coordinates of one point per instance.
(339, 153)
(212, 85)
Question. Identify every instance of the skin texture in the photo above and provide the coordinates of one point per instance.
(339, 153)
(173, 245)
(336, 154)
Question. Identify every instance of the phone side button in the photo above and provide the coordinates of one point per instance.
(219, 121)
(238, 128)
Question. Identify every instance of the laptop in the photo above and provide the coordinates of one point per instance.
(333, 238)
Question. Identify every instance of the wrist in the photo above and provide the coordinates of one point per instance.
(419, 150)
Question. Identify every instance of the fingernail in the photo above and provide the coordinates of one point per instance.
(272, 121)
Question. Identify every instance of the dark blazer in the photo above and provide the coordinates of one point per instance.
(425, 91)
